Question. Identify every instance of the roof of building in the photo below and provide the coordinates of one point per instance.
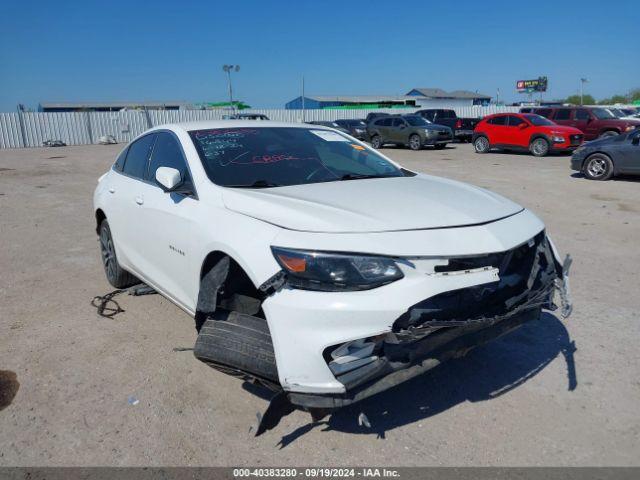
(439, 93)
(131, 104)
(359, 98)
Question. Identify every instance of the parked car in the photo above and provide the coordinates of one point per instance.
(329, 124)
(356, 127)
(623, 113)
(594, 122)
(408, 130)
(312, 263)
(374, 115)
(245, 116)
(610, 156)
(518, 131)
(462, 127)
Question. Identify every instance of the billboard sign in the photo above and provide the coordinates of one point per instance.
(528, 86)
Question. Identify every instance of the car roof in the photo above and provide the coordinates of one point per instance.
(213, 124)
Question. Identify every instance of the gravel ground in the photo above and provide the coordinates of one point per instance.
(523, 400)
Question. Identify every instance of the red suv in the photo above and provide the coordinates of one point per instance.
(595, 122)
(517, 131)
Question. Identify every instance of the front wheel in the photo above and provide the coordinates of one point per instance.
(539, 147)
(415, 142)
(598, 167)
(481, 145)
(376, 142)
(116, 275)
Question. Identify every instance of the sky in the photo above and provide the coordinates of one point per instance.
(174, 50)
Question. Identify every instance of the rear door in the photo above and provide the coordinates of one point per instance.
(514, 134)
(126, 189)
(398, 133)
(498, 130)
(167, 229)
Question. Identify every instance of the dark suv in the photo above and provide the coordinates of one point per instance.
(595, 122)
(409, 130)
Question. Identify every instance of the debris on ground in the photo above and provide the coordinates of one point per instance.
(363, 421)
(132, 400)
(108, 308)
(107, 140)
(53, 143)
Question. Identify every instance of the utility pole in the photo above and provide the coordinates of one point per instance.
(582, 82)
(229, 69)
(303, 109)
(498, 96)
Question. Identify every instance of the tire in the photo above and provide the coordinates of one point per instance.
(116, 275)
(415, 142)
(241, 342)
(440, 146)
(598, 167)
(609, 133)
(539, 147)
(481, 144)
(376, 142)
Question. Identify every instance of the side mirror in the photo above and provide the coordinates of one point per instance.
(522, 126)
(168, 178)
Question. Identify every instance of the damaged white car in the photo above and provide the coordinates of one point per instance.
(315, 265)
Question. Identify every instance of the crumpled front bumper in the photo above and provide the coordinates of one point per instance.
(411, 352)
(305, 325)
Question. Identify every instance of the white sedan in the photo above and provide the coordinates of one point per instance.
(314, 264)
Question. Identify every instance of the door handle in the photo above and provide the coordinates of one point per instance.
(112, 190)
(139, 200)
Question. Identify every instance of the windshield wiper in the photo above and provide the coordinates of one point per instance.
(256, 184)
(357, 176)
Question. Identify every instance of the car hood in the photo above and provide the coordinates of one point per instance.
(371, 205)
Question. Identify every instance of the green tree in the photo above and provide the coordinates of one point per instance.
(613, 100)
(634, 94)
(575, 99)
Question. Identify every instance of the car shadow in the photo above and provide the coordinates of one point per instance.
(485, 373)
(617, 178)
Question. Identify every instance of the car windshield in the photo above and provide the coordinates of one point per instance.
(281, 156)
(538, 121)
(416, 121)
(602, 113)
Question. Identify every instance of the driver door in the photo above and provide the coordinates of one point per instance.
(168, 229)
(628, 158)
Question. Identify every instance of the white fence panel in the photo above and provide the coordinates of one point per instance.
(82, 128)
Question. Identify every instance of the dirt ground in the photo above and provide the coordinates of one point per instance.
(69, 378)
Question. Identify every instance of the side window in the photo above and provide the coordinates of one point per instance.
(137, 156)
(563, 114)
(167, 153)
(386, 122)
(515, 121)
(582, 114)
(501, 120)
(543, 112)
(397, 122)
(120, 160)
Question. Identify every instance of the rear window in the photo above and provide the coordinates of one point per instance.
(562, 114)
(501, 120)
(543, 112)
(136, 163)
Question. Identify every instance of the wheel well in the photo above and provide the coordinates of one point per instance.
(100, 216)
(537, 136)
(605, 130)
(237, 281)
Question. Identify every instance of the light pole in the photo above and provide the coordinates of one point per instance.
(229, 69)
(582, 82)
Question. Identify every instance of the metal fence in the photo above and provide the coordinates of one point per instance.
(31, 129)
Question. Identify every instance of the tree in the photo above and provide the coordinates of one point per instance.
(634, 95)
(575, 99)
(613, 100)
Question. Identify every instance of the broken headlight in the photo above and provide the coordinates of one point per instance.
(330, 272)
